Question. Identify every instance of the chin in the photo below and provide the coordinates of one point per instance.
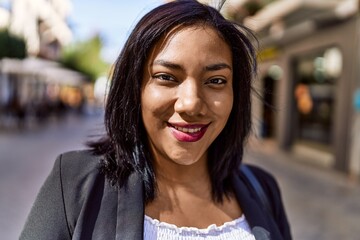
(185, 161)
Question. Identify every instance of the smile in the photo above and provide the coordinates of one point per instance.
(187, 130)
(188, 133)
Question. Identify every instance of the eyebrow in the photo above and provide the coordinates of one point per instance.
(212, 67)
(167, 64)
(217, 66)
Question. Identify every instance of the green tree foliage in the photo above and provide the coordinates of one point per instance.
(85, 57)
(11, 46)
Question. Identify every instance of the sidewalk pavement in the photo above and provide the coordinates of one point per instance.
(321, 203)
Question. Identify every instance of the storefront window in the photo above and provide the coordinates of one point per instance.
(316, 76)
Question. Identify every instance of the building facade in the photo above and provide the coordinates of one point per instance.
(42, 24)
(309, 78)
(37, 87)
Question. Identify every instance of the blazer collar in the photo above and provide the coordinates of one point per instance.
(254, 215)
(130, 211)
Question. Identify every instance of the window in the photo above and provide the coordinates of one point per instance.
(316, 75)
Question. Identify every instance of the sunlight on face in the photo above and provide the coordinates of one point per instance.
(186, 94)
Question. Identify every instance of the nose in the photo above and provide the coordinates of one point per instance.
(190, 99)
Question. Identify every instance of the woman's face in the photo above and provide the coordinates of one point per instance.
(186, 95)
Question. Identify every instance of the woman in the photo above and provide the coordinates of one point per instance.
(177, 115)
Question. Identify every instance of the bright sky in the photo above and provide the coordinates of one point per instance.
(113, 19)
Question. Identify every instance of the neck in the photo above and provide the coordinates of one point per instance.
(177, 187)
(184, 197)
(182, 175)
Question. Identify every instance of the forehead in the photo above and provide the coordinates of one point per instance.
(181, 37)
(191, 31)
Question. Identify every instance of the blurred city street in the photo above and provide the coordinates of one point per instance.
(321, 203)
(27, 157)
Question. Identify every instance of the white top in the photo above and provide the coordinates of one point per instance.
(237, 229)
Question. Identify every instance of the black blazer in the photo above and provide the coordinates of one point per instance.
(76, 202)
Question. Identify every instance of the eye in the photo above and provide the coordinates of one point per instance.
(164, 77)
(216, 81)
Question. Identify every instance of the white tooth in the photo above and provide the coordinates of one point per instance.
(187, 130)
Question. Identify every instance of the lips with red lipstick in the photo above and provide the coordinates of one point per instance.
(188, 132)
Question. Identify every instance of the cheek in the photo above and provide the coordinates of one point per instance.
(155, 104)
(229, 103)
(150, 99)
(223, 106)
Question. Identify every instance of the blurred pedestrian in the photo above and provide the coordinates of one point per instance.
(177, 116)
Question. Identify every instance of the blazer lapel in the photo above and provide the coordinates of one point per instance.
(130, 212)
(252, 211)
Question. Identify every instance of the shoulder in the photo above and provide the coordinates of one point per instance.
(61, 197)
(76, 168)
(81, 182)
(80, 159)
(268, 183)
(266, 179)
(272, 190)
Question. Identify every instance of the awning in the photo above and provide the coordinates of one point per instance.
(45, 70)
(295, 11)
